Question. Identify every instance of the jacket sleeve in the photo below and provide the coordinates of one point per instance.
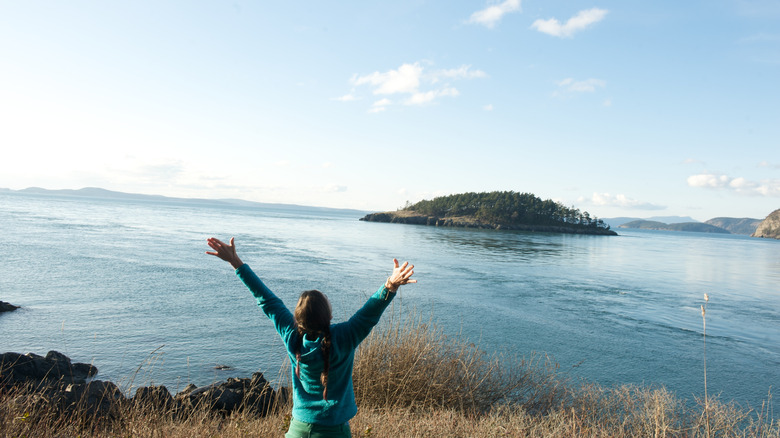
(361, 323)
(271, 305)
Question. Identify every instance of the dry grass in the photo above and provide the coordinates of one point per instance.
(412, 381)
(412, 364)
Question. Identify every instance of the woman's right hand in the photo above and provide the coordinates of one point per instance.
(226, 252)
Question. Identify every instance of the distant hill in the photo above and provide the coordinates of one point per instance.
(769, 227)
(618, 221)
(745, 225)
(698, 227)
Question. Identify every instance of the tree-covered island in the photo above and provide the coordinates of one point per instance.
(497, 210)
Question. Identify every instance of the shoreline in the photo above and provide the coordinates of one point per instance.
(413, 218)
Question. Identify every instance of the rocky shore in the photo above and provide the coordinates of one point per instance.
(55, 382)
(412, 218)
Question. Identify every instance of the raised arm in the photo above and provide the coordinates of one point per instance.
(271, 305)
(226, 252)
(361, 323)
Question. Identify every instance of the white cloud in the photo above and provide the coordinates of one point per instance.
(488, 107)
(619, 200)
(582, 20)
(422, 86)
(492, 14)
(766, 187)
(404, 80)
(607, 102)
(429, 96)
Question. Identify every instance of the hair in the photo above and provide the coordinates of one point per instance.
(312, 316)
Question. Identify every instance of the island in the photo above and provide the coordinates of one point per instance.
(507, 210)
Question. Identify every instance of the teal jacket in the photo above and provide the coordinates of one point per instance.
(308, 405)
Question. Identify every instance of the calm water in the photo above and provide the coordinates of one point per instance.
(127, 286)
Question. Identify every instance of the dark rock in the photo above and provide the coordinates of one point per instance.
(154, 397)
(60, 385)
(254, 395)
(97, 397)
(7, 307)
(18, 368)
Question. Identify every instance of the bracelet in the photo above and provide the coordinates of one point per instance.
(389, 287)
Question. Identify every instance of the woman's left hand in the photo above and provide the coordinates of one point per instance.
(401, 275)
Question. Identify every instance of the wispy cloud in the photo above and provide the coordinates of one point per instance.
(619, 200)
(334, 188)
(414, 83)
(586, 86)
(491, 15)
(582, 20)
(570, 86)
(769, 165)
(766, 187)
(346, 98)
(380, 105)
(488, 107)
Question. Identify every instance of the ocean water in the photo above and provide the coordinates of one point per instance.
(126, 286)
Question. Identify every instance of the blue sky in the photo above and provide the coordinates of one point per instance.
(620, 108)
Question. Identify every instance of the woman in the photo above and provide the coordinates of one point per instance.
(321, 354)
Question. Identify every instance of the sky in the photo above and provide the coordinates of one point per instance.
(621, 108)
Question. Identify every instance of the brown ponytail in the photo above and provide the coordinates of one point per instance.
(325, 348)
(312, 316)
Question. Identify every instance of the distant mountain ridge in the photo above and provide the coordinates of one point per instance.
(723, 225)
(98, 193)
(698, 227)
(615, 222)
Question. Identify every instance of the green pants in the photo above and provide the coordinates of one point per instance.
(299, 429)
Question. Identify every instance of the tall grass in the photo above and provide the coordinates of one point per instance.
(413, 381)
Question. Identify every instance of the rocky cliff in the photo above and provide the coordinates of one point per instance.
(769, 227)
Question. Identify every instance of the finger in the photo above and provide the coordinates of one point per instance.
(411, 281)
(395, 263)
(232, 240)
(211, 253)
